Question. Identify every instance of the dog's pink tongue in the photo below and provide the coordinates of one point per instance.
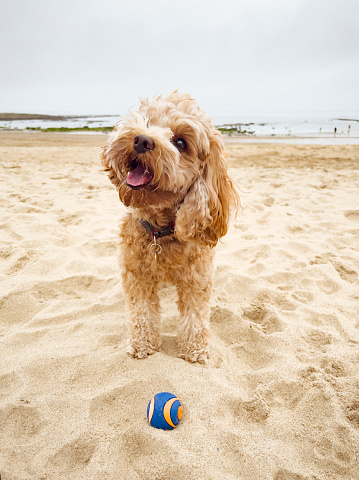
(138, 176)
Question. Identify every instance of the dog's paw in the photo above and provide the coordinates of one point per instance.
(194, 356)
(194, 348)
(141, 351)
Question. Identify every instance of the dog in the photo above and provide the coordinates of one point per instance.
(167, 162)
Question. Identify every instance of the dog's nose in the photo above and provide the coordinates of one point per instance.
(143, 144)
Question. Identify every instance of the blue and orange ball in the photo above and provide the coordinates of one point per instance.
(164, 411)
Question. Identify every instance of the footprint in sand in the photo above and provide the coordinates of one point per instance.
(352, 215)
(267, 320)
(19, 260)
(73, 455)
(249, 335)
(345, 271)
(221, 316)
(19, 421)
(286, 393)
(141, 451)
(141, 445)
(333, 366)
(329, 286)
(318, 340)
(257, 408)
(303, 296)
(352, 412)
(269, 201)
(117, 406)
(333, 452)
(69, 218)
(8, 233)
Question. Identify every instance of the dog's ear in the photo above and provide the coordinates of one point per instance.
(107, 157)
(193, 216)
(206, 209)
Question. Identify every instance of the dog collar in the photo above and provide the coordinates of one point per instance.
(155, 233)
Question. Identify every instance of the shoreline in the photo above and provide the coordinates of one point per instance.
(291, 127)
(339, 139)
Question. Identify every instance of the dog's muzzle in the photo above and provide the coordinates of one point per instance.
(140, 175)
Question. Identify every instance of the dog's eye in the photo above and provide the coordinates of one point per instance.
(180, 144)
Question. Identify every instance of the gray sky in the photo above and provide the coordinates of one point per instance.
(90, 56)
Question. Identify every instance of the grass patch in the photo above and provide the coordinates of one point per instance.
(227, 131)
(231, 131)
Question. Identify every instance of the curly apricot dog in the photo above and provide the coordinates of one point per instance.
(167, 162)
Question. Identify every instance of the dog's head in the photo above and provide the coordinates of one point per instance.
(168, 155)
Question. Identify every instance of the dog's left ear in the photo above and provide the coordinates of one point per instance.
(206, 209)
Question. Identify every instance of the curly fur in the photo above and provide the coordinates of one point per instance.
(189, 187)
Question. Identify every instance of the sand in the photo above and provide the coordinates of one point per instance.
(279, 397)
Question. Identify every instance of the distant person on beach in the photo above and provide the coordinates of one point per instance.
(348, 129)
(335, 131)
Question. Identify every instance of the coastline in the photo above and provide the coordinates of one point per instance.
(339, 139)
(309, 127)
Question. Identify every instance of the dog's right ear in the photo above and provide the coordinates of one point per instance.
(107, 160)
(104, 157)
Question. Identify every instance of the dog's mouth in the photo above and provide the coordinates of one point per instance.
(139, 175)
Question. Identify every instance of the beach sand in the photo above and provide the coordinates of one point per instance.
(279, 397)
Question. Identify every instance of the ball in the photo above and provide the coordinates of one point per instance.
(164, 411)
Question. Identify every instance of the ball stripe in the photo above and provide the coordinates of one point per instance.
(167, 411)
(151, 410)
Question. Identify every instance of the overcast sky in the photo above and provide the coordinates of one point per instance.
(90, 56)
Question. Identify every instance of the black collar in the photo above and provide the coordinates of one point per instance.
(169, 230)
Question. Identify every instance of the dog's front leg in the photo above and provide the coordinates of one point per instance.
(193, 327)
(144, 308)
